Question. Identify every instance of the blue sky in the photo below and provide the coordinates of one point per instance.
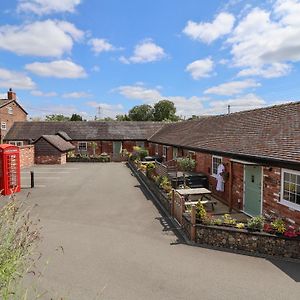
(73, 56)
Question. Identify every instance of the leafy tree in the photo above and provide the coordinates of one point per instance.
(165, 110)
(142, 112)
(57, 117)
(122, 118)
(76, 117)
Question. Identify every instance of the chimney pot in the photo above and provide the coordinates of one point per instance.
(11, 95)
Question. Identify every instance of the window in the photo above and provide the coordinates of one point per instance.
(82, 146)
(156, 149)
(3, 125)
(165, 151)
(191, 154)
(290, 188)
(10, 110)
(140, 144)
(175, 152)
(216, 160)
(17, 143)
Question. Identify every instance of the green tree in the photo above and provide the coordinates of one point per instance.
(142, 112)
(76, 117)
(122, 118)
(57, 117)
(165, 110)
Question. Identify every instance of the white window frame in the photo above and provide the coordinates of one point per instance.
(3, 125)
(212, 164)
(156, 149)
(10, 110)
(175, 152)
(17, 143)
(287, 203)
(165, 151)
(80, 144)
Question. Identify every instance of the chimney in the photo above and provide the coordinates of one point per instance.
(11, 95)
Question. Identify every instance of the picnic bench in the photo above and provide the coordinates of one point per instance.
(203, 194)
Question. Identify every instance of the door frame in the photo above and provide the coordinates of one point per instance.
(261, 188)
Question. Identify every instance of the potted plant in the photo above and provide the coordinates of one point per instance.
(279, 226)
(186, 164)
(256, 223)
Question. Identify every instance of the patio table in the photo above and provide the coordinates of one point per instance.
(202, 192)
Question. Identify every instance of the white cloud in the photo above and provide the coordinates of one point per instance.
(107, 110)
(185, 106)
(101, 45)
(270, 71)
(42, 38)
(139, 92)
(208, 32)
(265, 42)
(77, 95)
(200, 68)
(245, 102)
(145, 52)
(44, 7)
(58, 69)
(43, 94)
(17, 80)
(231, 88)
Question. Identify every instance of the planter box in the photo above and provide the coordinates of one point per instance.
(160, 195)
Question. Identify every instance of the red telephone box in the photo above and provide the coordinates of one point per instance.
(10, 181)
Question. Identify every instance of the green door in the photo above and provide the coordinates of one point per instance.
(117, 148)
(252, 184)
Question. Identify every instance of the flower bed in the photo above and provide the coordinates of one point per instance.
(87, 159)
(159, 193)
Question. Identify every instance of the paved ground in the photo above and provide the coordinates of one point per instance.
(117, 245)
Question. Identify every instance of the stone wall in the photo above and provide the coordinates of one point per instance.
(251, 242)
(26, 156)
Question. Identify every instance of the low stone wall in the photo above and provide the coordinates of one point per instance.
(251, 242)
(26, 156)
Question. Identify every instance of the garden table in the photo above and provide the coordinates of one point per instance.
(201, 192)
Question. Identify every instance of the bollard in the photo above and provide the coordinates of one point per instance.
(32, 179)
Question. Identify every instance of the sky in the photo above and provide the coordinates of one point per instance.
(100, 58)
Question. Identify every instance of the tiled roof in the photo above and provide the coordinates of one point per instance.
(272, 132)
(64, 135)
(58, 142)
(91, 130)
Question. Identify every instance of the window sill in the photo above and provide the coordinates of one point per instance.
(291, 205)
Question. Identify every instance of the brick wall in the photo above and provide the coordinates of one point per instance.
(271, 185)
(17, 115)
(27, 156)
(55, 159)
(271, 196)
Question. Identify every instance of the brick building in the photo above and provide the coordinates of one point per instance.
(260, 150)
(10, 111)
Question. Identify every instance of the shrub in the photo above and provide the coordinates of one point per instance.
(278, 225)
(150, 169)
(186, 164)
(256, 223)
(165, 184)
(228, 220)
(200, 211)
(19, 238)
(217, 222)
(240, 225)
